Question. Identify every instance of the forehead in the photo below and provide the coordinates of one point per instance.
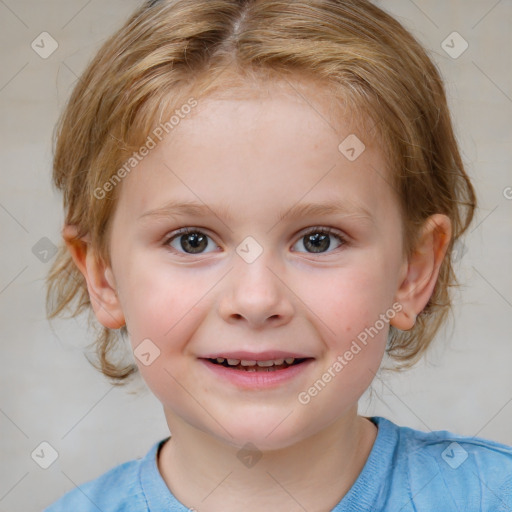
(269, 146)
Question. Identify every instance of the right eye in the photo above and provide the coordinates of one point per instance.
(189, 241)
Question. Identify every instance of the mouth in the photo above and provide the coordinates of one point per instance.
(251, 365)
(269, 369)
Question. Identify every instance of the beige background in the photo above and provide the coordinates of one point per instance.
(48, 390)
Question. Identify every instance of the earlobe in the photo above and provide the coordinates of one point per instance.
(99, 278)
(420, 273)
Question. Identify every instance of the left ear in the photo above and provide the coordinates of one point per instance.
(420, 273)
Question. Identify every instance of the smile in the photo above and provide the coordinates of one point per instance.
(262, 371)
(270, 365)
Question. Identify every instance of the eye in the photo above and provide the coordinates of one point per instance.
(189, 240)
(194, 241)
(317, 239)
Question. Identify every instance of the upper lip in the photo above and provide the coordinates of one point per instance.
(268, 355)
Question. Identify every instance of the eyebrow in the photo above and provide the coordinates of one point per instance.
(177, 208)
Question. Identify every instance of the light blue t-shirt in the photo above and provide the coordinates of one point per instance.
(407, 471)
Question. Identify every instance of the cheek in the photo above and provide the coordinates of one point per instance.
(157, 301)
(348, 300)
(354, 305)
(159, 333)
(163, 308)
(350, 305)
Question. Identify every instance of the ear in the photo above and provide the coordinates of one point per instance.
(419, 274)
(99, 278)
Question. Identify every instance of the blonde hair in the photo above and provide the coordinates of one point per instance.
(170, 49)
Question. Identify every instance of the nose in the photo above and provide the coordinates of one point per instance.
(256, 294)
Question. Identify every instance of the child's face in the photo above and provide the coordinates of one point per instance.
(257, 159)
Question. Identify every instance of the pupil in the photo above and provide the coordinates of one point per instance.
(319, 242)
(193, 240)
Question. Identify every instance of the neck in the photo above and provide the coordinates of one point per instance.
(206, 474)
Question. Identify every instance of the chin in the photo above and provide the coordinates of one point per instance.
(266, 434)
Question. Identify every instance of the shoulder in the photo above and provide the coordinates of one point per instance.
(118, 489)
(452, 452)
(466, 473)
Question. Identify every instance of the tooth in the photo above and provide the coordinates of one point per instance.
(289, 360)
(220, 359)
(233, 362)
(277, 362)
(265, 363)
(245, 362)
(252, 369)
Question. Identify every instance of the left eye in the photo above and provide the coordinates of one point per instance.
(318, 240)
(191, 241)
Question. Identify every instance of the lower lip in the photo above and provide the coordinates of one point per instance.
(257, 379)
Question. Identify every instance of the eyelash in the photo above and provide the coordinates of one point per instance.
(316, 229)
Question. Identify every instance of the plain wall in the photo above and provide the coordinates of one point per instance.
(49, 392)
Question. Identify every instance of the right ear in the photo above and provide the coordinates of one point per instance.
(99, 278)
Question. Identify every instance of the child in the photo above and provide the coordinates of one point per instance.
(268, 187)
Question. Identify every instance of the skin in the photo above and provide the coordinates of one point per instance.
(260, 156)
